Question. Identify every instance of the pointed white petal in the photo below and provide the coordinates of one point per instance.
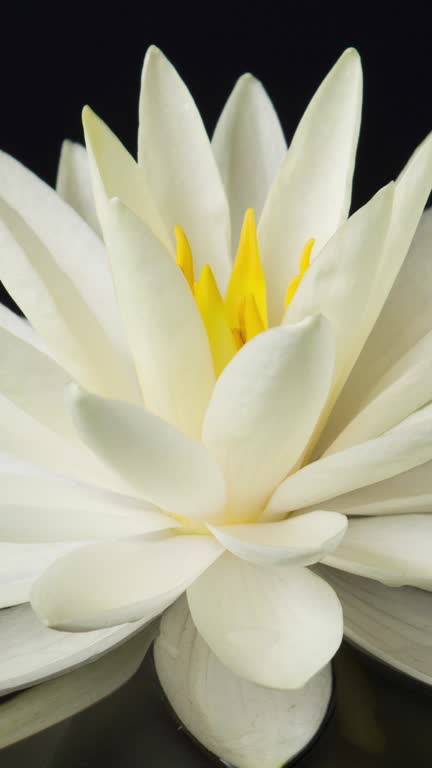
(41, 707)
(249, 146)
(31, 653)
(130, 579)
(21, 564)
(301, 540)
(163, 465)
(312, 193)
(274, 626)
(241, 723)
(74, 183)
(264, 408)
(398, 450)
(175, 154)
(393, 624)
(396, 550)
(163, 324)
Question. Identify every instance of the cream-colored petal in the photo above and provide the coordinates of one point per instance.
(31, 653)
(176, 157)
(159, 463)
(392, 624)
(249, 147)
(74, 183)
(301, 540)
(312, 193)
(274, 626)
(164, 327)
(130, 579)
(264, 408)
(399, 450)
(20, 327)
(396, 550)
(50, 262)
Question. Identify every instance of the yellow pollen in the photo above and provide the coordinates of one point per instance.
(184, 255)
(304, 265)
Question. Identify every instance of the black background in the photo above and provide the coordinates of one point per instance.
(52, 63)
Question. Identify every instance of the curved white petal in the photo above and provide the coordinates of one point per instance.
(400, 449)
(50, 263)
(41, 707)
(176, 157)
(264, 408)
(339, 282)
(274, 626)
(114, 173)
(130, 579)
(312, 193)
(249, 147)
(74, 183)
(163, 465)
(20, 327)
(21, 564)
(301, 540)
(164, 327)
(31, 653)
(240, 722)
(396, 550)
(393, 624)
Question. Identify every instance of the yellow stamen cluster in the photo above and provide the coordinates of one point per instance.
(232, 321)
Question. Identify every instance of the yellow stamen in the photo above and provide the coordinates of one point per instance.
(210, 303)
(247, 276)
(304, 265)
(184, 255)
(251, 323)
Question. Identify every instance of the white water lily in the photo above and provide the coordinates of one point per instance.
(218, 434)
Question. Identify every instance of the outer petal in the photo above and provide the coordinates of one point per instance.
(274, 626)
(396, 550)
(50, 262)
(130, 579)
(20, 327)
(175, 153)
(45, 705)
(400, 449)
(157, 461)
(165, 330)
(31, 653)
(312, 193)
(394, 625)
(74, 183)
(264, 408)
(301, 540)
(249, 147)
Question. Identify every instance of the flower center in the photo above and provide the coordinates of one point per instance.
(232, 321)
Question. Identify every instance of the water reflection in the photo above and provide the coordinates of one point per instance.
(381, 719)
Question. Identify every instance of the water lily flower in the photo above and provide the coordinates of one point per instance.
(229, 386)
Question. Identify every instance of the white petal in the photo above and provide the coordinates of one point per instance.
(312, 193)
(242, 723)
(115, 173)
(20, 327)
(74, 183)
(264, 408)
(21, 564)
(55, 292)
(249, 146)
(395, 625)
(31, 653)
(339, 282)
(274, 626)
(165, 330)
(130, 579)
(160, 463)
(177, 159)
(396, 550)
(301, 540)
(43, 706)
(398, 450)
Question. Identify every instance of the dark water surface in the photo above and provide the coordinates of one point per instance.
(380, 719)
